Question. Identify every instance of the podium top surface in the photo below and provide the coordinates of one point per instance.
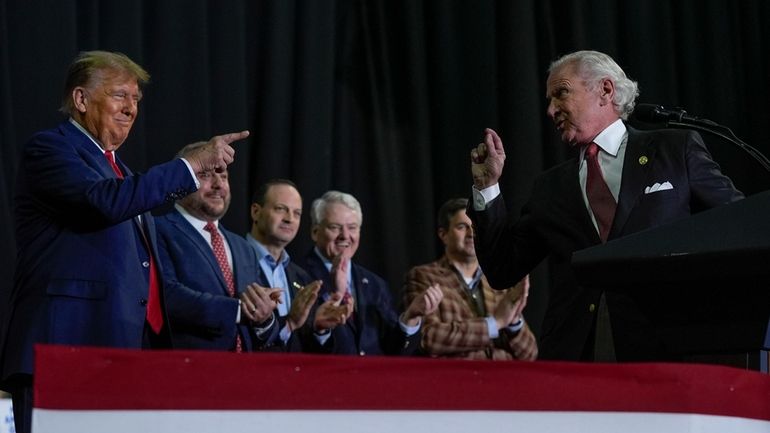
(728, 240)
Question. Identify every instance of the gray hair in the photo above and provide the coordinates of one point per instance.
(318, 208)
(593, 67)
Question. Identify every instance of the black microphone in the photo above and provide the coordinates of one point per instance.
(657, 113)
(678, 118)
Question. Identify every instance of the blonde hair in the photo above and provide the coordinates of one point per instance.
(88, 69)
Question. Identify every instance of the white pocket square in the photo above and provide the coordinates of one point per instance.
(658, 187)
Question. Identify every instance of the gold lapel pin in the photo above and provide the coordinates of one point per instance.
(643, 160)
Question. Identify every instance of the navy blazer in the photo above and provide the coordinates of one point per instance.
(82, 269)
(555, 222)
(374, 328)
(201, 312)
(270, 341)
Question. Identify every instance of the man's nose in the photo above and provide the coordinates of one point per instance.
(344, 233)
(130, 105)
(552, 109)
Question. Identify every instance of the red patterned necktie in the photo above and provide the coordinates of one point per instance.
(599, 196)
(218, 246)
(154, 313)
(111, 159)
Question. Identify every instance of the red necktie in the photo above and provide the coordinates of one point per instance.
(218, 245)
(154, 314)
(599, 196)
(111, 159)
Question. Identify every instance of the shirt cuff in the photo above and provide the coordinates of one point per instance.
(482, 197)
(261, 330)
(494, 332)
(285, 333)
(192, 173)
(322, 338)
(516, 327)
(409, 330)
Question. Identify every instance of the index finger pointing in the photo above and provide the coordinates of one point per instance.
(233, 136)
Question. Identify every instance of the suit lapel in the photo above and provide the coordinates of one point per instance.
(96, 156)
(144, 225)
(447, 270)
(292, 280)
(573, 200)
(204, 249)
(123, 168)
(640, 156)
(361, 300)
(228, 235)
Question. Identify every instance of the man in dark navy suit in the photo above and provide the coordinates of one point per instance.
(209, 272)
(87, 270)
(624, 181)
(371, 326)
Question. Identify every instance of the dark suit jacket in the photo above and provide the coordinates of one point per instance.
(201, 312)
(82, 268)
(555, 222)
(374, 328)
(270, 341)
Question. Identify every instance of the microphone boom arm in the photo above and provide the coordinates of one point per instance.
(725, 133)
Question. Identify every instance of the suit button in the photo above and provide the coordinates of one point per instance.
(142, 302)
(145, 264)
(362, 353)
(592, 308)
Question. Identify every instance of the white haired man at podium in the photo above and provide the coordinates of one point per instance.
(623, 181)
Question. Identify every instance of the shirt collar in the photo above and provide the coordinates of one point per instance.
(474, 280)
(263, 254)
(88, 134)
(612, 137)
(327, 263)
(198, 224)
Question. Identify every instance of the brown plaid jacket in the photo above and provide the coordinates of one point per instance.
(455, 330)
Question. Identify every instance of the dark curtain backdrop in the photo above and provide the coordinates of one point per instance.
(382, 99)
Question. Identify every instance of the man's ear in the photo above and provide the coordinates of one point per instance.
(442, 233)
(80, 99)
(607, 91)
(314, 232)
(255, 208)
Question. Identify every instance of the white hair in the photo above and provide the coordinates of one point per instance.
(318, 208)
(593, 67)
